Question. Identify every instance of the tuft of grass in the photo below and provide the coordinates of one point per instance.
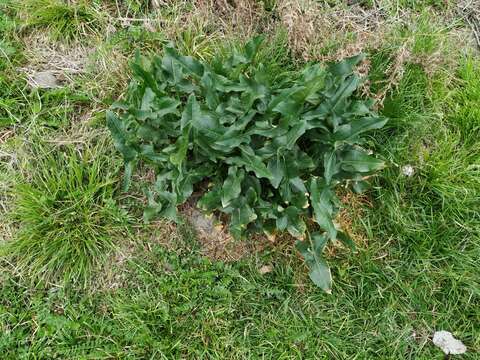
(12, 96)
(66, 218)
(464, 100)
(64, 20)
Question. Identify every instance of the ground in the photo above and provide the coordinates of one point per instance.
(119, 288)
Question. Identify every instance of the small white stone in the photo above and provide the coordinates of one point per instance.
(44, 80)
(449, 345)
(408, 170)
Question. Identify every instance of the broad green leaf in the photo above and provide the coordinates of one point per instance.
(343, 92)
(190, 64)
(357, 127)
(165, 105)
(179, 156)
(210, 200)
(330, 166)
(120, 135)
(345, 67)
(298, 184)
(360, 186)
(321, 276)
(241, 216)
(147, 100)
(318, 243)
(304, 248)
(191, 113)
(127, 175)
(251, 162)
(276, 166)
(147, 132)
(232, 185)
(322, 199)
(149, 154)
(359, 161)
(144, 75)
(282, 222)
(251, 48)
(296, 226)
(311, 251)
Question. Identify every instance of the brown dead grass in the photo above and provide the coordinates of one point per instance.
(215, 240)
(319, 32)
(239, 18)
(353, 205)
(44, 54)
(314, 28)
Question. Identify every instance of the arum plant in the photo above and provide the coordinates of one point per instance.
(273, 153)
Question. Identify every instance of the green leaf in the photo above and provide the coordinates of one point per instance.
(232, 185)
(210, 200)
(127, 175)
(322, 198)
(298, 184)
(342, 93)
(241, 216)
(330, 166)
(179, 156)
(144, 75)
(164, 106)
(345, 67)
(251, 162)
(251, 48)
(191, 113)
(321, 276)
(356, 127)
(119, 134)
(360, 161)
(190, 64)
(318, 243)
(276, 166)
(296, 226)
(360, 186)
(312, 253)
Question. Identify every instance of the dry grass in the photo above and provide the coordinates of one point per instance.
(313, 28)
(42, 53)
(240, 18)
(354, 205)
(215, 240)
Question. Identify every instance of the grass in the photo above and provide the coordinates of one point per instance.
(137, 291)
(64, 210)
(63, 20)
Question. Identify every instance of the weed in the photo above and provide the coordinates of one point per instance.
(273, 153)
